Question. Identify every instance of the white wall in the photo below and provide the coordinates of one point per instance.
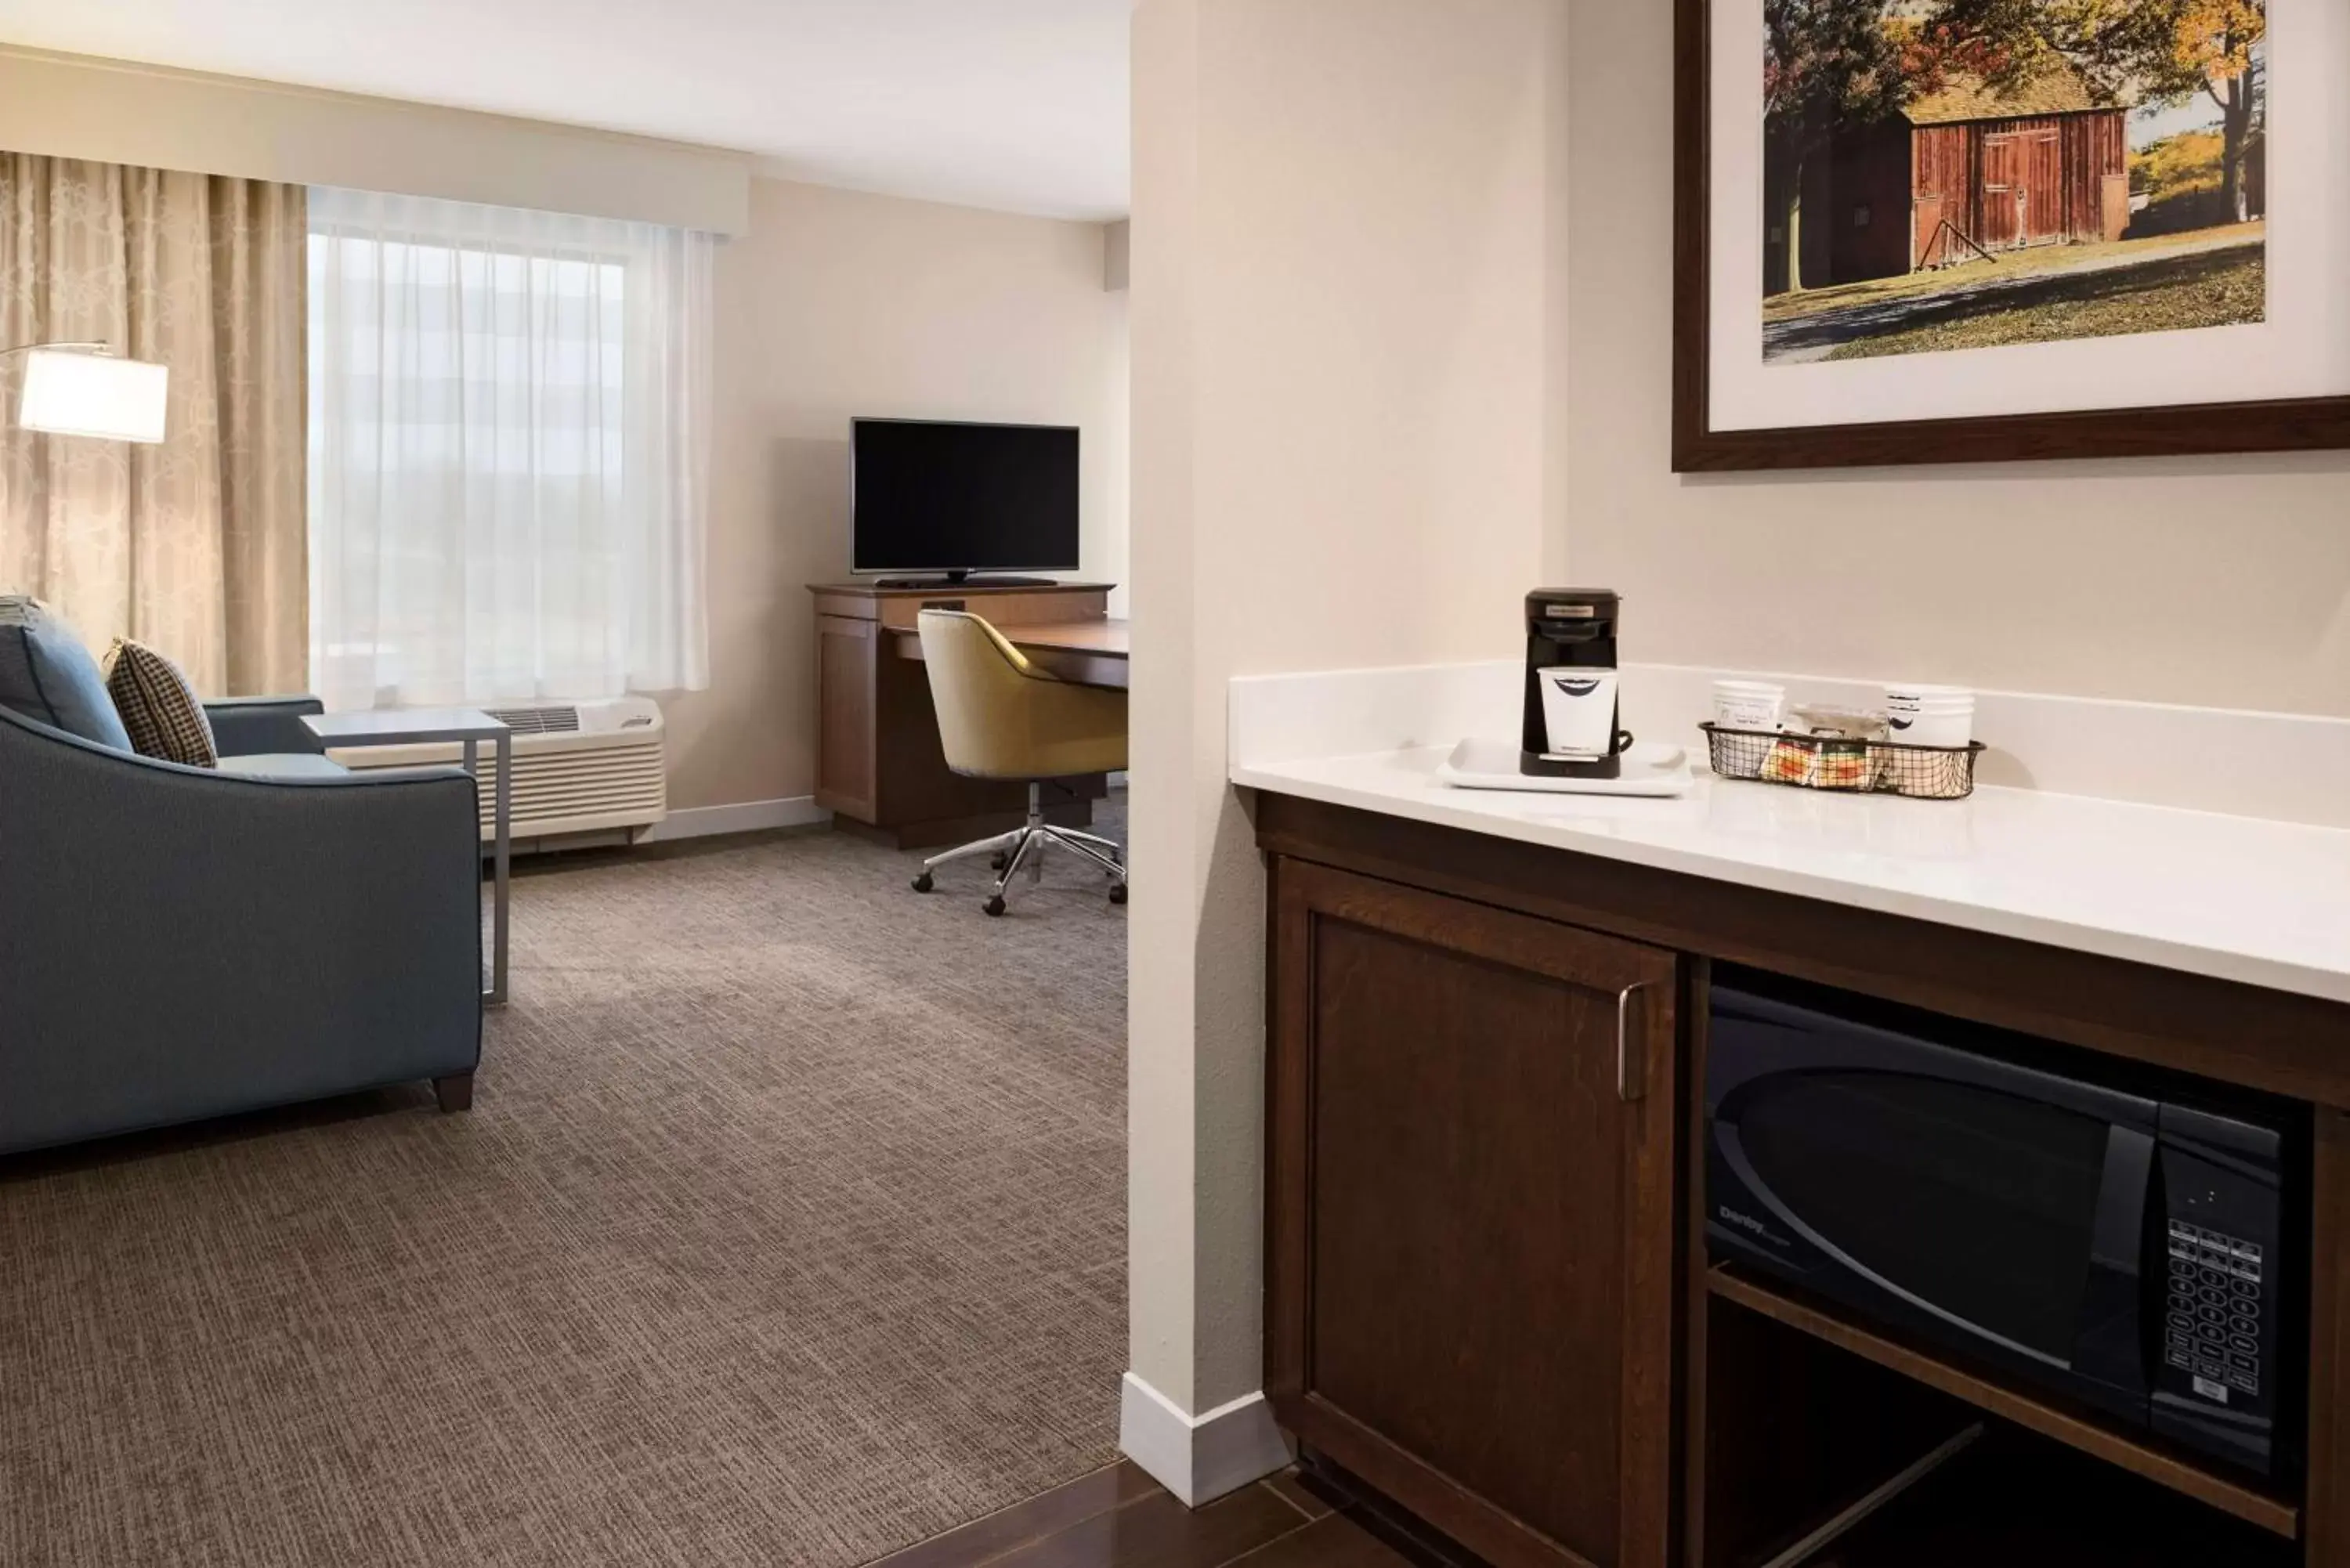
(838, 304)
(1107, 551)
(1344, 302)
(113, 111)
(2214, 581)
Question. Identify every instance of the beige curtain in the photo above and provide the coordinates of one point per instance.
(197, 547)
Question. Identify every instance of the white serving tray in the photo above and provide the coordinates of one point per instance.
(1653, 769)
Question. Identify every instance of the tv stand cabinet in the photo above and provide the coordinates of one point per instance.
(880, 769)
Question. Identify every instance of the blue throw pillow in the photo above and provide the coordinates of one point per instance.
(48, 675)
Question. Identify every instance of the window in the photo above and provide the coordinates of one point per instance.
(509, 453)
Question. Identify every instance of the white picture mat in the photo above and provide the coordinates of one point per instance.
(2303, 350)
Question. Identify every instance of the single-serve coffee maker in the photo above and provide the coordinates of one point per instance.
(1573, 708)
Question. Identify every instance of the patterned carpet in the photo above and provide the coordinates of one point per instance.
(788, 1228)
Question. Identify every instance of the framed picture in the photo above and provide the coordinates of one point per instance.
(1953, 231)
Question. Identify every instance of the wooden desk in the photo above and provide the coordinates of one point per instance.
(1089, 652)
(879, 765)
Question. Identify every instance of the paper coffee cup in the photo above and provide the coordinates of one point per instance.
(1579, 710)
(1925, 715)
(1943, 727)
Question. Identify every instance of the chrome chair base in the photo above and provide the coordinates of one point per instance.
(1023, 849)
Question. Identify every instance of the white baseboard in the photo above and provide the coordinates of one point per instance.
(1199, 1457)
(752, 817)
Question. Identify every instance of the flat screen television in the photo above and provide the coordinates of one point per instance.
(931, 497)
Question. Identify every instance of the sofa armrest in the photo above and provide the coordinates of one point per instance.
(264, 726)
(180, 943)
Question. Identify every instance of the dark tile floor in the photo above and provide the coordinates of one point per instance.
(1121, 1518)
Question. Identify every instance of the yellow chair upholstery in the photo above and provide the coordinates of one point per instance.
(1000, 717)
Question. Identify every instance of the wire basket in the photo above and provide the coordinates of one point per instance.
(1833, 763)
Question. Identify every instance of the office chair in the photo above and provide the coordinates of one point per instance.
(1000, 717)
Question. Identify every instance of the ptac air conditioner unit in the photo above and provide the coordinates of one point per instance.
(579, 768)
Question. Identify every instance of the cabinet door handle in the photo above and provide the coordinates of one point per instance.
(1631, 1056)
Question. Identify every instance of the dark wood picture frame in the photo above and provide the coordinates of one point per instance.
(2291, 424)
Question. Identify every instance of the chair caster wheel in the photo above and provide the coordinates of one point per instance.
(995, 907)
(925, 883)
(1117, 894)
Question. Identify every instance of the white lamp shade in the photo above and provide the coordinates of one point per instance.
(69, 393)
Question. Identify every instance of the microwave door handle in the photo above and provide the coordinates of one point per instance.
(2122, 1303)
(1631, 1054)
(2119, 1240)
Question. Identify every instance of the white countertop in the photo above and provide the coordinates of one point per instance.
(2242, 898)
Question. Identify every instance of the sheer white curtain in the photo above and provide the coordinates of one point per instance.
(509, 453)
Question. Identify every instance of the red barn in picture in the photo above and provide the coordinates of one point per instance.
(1964, 173)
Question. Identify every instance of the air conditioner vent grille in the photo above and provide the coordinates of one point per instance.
(586, 767)
(562, 720)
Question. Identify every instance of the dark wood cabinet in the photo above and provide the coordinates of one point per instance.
(1489, 1295)
(849, 705)
(1471, 1224)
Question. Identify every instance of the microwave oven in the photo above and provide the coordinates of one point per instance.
(2119, 1248)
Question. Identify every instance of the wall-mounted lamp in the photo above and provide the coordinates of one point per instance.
(84, 389)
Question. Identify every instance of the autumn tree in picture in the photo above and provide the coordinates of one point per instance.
(1951, 174)
(2160, 52)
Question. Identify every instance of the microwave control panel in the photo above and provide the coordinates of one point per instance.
(2212, 1330)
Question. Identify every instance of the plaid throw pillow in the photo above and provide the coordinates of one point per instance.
(158, 706)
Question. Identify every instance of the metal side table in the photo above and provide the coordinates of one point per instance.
(430, 726)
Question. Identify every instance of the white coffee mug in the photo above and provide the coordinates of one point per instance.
(1579, 710)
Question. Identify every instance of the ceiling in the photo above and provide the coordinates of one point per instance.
(1019, 105)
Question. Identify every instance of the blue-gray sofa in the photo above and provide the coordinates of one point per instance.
(178, 943)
